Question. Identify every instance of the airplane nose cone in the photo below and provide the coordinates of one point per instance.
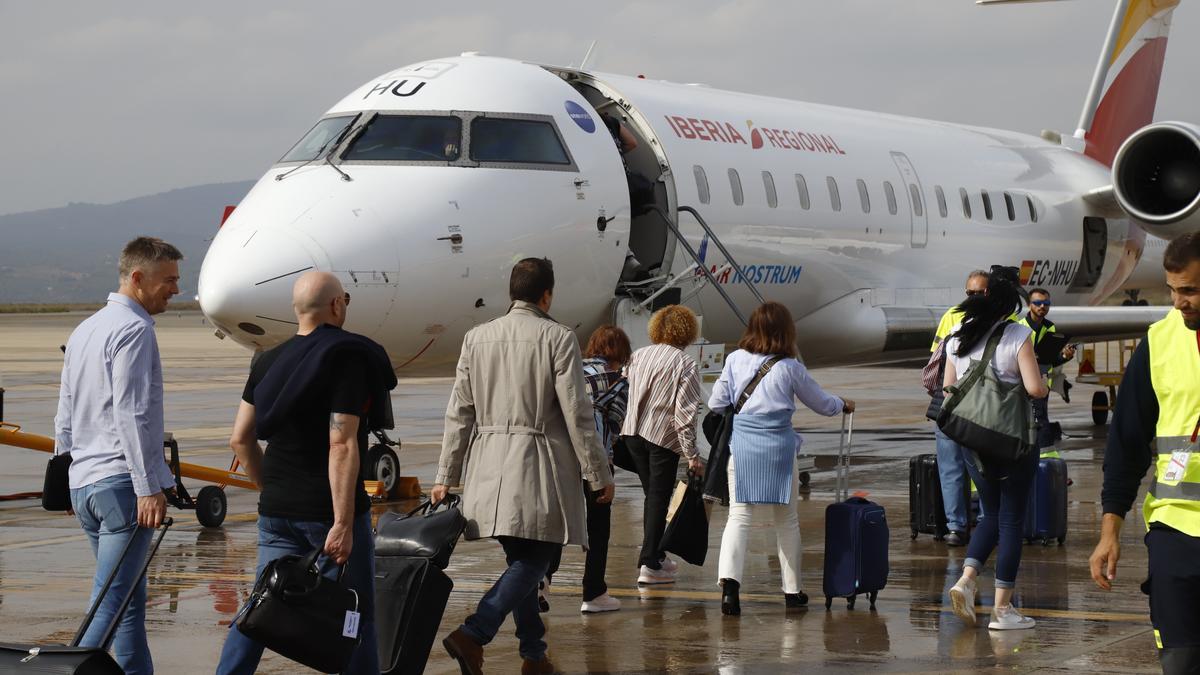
(246, 285)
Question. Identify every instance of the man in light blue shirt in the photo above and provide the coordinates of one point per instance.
(110, 418)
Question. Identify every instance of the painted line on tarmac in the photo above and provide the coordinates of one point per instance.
(1114, 617)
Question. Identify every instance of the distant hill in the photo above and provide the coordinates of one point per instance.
(69, 254)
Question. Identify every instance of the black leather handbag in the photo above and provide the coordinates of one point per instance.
(73, 659)
(56, 489)
(297, 612)
(427, 531)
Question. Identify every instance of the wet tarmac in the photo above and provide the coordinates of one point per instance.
(201, 576)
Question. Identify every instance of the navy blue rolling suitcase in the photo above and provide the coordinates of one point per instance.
(1046, 513)
(856, 537)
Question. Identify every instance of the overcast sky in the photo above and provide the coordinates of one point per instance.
(107, 101)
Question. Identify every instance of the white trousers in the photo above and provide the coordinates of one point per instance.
(735, 539)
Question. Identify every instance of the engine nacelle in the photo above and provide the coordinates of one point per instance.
(1156, 178)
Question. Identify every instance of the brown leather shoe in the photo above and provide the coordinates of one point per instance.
(466, 651)
(542, 666)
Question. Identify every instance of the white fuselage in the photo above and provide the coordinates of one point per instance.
(425, 247)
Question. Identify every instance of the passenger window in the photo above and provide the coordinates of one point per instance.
(408, 138)
(918, 206)
(735, 184)
(702, 184)
(890, 193)
(802, 191)
(516, 141)
(987, 204)
(1032, 211)
(835, 199)
(1008, 204)
(941, 200)
(769, 184)
(966, 202)
(319, 139)
(863, 196)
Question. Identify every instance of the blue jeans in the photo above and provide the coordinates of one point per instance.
(107, 510)
(278, 537)
(515, 592)
(1003, 498)
(953, 474)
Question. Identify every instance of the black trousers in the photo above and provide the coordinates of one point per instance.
(595, 564)
(657, 468)
(1174, 589)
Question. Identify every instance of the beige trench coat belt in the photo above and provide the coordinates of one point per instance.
(510, 429)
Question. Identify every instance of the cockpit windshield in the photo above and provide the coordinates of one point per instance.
(408, 138)
(319, 139)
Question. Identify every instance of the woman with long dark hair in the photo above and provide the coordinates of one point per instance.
(1003, 488)
(762, 463)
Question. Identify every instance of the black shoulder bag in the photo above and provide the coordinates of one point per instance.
(718, 429)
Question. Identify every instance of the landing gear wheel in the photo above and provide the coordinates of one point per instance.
(211, 506)
(1143, 303)
(1100, 408)
(1127, 303)
(804, 478)
(383, 465)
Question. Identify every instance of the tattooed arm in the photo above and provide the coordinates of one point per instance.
(343, 476)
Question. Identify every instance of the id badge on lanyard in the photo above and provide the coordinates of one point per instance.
(1180, 458)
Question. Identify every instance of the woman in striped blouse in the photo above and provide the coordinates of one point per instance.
(660, 426)
(763, 447)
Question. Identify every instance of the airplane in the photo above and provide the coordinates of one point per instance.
(423, 186)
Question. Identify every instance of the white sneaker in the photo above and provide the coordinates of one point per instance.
(669, 565)
(962, 599)
(600, 603)
(1008, 618)
(649, 576)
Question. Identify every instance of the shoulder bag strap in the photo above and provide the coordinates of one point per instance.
(989, 353)
(762, 372)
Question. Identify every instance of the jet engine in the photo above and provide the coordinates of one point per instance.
(1156, 178)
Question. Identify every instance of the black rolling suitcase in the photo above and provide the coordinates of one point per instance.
(410, 596)
(926, 508)
(72, 659)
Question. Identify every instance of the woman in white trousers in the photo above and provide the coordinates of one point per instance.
(763, 447)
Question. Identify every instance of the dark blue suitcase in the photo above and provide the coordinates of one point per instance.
(1046, 512)
(856, 537)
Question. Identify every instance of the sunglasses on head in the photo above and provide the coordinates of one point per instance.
(1040, 303)
(346, 297)
(971, 294)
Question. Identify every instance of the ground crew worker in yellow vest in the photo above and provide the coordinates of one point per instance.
(1155, 420)
(1039, 307)
(952, 473)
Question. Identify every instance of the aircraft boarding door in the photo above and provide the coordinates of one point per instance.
(916, 200)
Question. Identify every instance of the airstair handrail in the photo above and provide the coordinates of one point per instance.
(712, 236)
(700, 263)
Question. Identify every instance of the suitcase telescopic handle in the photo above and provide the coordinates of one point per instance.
(111, 631)
(845, 441)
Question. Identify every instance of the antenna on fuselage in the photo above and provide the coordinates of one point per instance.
(587, 56)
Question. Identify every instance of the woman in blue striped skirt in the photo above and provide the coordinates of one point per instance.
(763, 447)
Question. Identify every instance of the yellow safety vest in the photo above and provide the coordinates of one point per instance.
(1174, 498)
(950, 319)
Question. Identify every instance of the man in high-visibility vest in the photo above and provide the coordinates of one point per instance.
(1039, 307)
(1156, 421)
(951, 470)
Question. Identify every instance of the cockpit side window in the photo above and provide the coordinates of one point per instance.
(319, 139)
(516, 141)
(408, 138)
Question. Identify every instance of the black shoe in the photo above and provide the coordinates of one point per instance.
(729, 597)
(956, 539)
(795, 600)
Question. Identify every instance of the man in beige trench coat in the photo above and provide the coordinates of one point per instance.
(521, 422)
